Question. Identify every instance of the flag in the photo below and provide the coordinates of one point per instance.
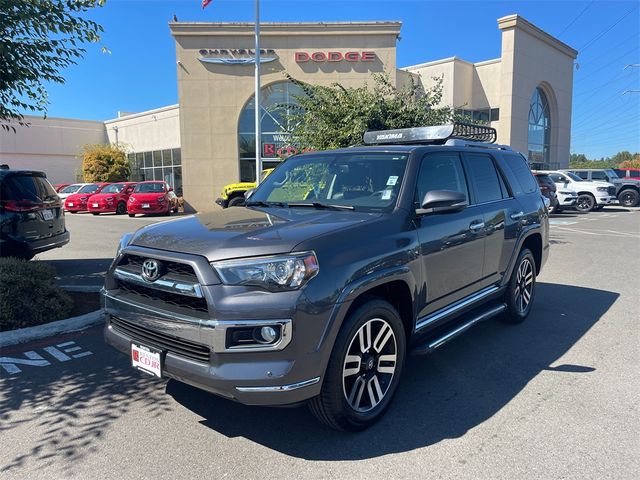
(205, 3)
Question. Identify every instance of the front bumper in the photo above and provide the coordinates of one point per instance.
(606, 200)
(102, 208)
(153, 208)
(277, 377)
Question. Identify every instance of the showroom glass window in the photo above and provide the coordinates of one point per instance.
(539, 128)
(158, 165)
(277, 101)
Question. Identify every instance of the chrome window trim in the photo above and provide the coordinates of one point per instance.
(435, 316)
(163, 284)
(280, 388)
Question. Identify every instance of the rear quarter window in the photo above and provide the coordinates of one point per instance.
(26, 187)
(523, 181)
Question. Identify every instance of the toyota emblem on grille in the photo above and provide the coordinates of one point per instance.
(151, 270)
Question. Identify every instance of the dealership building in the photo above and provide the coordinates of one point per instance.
(207, 139)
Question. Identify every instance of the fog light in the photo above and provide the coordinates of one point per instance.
(266, 334)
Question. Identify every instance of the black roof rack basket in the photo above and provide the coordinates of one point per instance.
(476, 133)
(437, 134)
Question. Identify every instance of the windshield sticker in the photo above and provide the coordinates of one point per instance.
(392, 181)
(386, 195)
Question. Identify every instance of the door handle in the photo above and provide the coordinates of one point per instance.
(475, 227)
(517, 216)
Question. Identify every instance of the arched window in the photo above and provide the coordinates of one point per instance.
(276, 101)
(539, 128)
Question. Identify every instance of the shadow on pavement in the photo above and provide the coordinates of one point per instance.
(72, 406)
(81, 271)
(441, 396)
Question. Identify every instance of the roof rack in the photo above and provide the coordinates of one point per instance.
(438, 134)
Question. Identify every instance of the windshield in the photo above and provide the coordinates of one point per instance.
(70, 189)
(114, 188)
(575, 177)
(612, 174)
(149, 188)
(93, 188)
(365, 181)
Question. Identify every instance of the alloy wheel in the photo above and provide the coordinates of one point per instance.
(585, 203)
(524, 285)
(369, 365)
(628, 198)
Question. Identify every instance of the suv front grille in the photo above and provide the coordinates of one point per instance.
(162, 341)
(173, 268)
(182, 301)
(611, 190)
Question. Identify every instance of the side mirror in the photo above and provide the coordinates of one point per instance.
(443, 201)
(248, 193)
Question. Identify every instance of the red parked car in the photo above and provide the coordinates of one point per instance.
(59, 186)
(152, 197)
(112, 198)
(78, 201)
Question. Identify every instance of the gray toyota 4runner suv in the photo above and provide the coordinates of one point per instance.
(341, 263)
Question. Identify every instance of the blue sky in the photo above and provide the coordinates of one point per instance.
(140, 71)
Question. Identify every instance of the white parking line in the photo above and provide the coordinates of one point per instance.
(600, 234)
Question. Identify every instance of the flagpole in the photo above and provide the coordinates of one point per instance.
(257, 98)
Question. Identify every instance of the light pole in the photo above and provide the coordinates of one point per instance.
(257, 98)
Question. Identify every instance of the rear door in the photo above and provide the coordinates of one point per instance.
(35, 203)
(451, 246)
(500, 210)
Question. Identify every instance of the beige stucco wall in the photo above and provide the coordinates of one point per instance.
(51, 145)
(211, 96)
(531, 58)
(157, 129)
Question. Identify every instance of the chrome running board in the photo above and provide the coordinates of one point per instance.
(434, 343)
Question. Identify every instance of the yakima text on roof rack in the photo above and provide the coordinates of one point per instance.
(434, 134)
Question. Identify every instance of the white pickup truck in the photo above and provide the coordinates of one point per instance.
(592, 195)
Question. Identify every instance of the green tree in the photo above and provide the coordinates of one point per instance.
(336, 116)
(39, 38)
(105, 163)
(578, 158)
(622, 157)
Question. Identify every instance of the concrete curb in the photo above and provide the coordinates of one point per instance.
(72, 324)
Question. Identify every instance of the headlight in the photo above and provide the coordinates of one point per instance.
(281, 272)
(84, 199)
(124, 241)
(161, 199)
(109, 199)
(131, 199)
(602, 189)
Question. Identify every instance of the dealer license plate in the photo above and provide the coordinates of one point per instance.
(145, 205)
(70, 204)
(146, 359)
(47, 214)
(95, 205)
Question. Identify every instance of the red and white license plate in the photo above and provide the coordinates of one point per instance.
(70, 204)
(146, 359)
(145, 205)
(95, 205)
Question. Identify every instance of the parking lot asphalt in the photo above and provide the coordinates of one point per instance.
(94, 240)
(555, 397)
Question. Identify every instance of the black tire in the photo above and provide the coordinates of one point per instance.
(597, 208)
(72, 211)
(168, 212)
(628, 197)
(236, 202)
(517, 311)
(132, 215)
(558, 210)
(586, 202)
(121, 209)
(95, 213)
(331, 406)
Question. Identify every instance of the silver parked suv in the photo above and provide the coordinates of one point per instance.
(340, 264)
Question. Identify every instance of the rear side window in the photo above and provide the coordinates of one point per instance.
(544, 180)
(582, 174)
(525, 183)
(26, 187)
(599, 176)
(558, 178)
(485, 178)
(441, 171)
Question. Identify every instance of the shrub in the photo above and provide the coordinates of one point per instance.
(105, 163)
(28, 295)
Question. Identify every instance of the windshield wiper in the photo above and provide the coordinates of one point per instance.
(260, 203)
(323, 205)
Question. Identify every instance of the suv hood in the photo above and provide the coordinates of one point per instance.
(245, 232)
